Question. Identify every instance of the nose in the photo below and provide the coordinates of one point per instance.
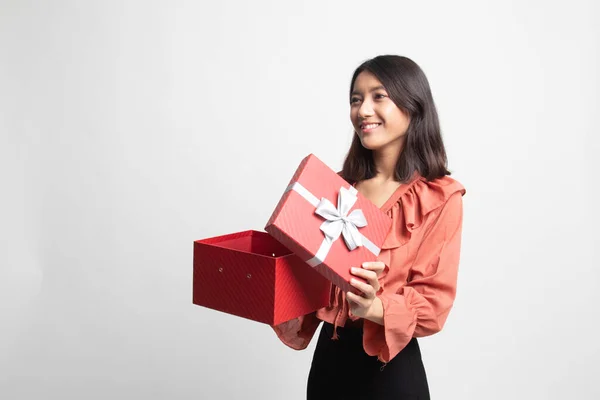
(365, 110)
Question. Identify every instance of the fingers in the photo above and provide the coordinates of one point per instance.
(358, 300)
(369, 276)
(376, 266)
(370, 272)
(368, 290)
(363, 273)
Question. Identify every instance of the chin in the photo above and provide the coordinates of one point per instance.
(370, 144)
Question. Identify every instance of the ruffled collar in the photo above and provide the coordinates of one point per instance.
(410, 203)
(403, 188)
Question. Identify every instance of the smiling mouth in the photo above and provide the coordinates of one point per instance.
(369, 127)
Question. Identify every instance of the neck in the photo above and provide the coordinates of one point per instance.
(385, 161)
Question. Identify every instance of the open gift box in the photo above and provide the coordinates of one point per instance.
(331, 239)
(252, 275)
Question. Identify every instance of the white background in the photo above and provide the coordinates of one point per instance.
(131, 129)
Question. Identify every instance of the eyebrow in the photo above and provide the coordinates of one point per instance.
(372, 90)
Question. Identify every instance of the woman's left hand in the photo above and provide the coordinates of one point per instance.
(367, 305)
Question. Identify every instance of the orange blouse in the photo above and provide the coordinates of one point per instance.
(418, 286)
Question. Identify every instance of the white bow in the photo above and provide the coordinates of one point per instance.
(339, 222)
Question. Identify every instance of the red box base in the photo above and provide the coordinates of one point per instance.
(252, 275)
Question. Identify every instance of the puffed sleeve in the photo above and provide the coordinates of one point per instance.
(421, 306)
(298, 332)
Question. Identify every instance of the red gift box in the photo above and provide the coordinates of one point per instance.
(329, 238)
(252, 275)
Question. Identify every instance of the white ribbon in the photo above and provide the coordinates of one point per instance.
(337, 221)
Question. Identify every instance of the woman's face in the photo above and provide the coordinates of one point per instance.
(377, 120)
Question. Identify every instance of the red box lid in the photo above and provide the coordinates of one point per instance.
(296, 225)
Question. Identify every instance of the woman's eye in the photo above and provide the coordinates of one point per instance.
(354, 100)
(379, 96)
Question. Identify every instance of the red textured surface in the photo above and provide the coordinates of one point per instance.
(295, 224)
(237, 274)
(299, 289)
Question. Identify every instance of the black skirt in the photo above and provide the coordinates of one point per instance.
(342, 370)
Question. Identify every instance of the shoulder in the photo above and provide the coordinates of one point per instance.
(442, 188)
(428, 196)
(444, 192)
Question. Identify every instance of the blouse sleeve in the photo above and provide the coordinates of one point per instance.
(421, 306)
(298, 332)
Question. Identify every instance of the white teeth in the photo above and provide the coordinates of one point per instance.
(370, 126)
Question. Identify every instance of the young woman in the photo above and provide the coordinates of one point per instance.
(367, 348)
